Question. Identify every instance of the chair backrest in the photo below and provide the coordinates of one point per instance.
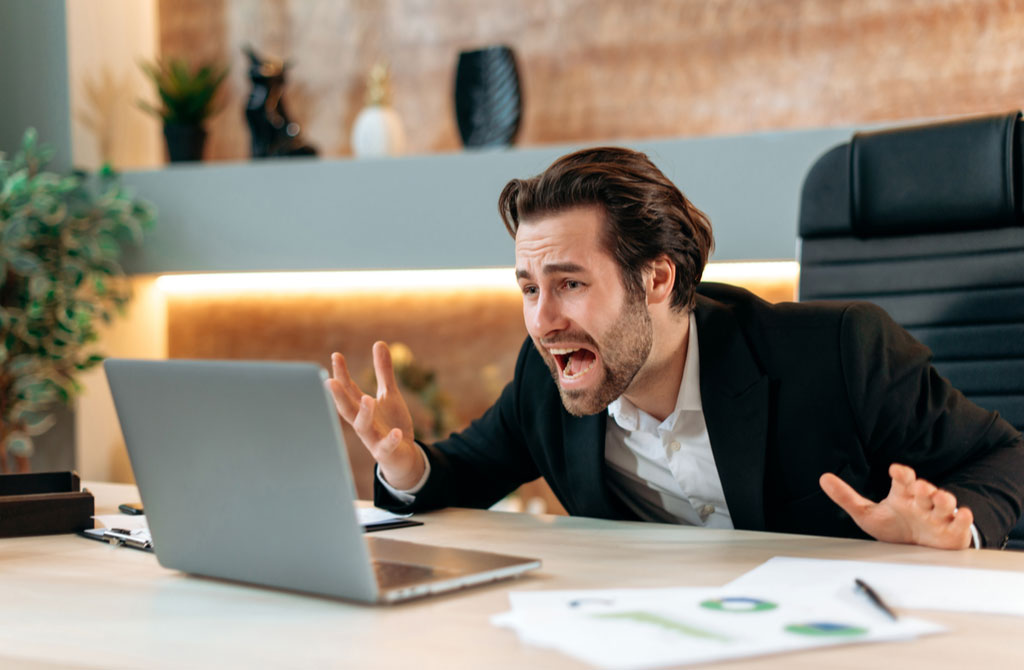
(925, 221)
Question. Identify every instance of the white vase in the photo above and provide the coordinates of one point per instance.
(378, 132)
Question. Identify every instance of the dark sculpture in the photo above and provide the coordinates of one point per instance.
(272, 133)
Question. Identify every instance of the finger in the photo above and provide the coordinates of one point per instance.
(922, 491)
(902, 478)
(955, 533)
(345, 391)
(347, 407)
(365, 426)
(341, 374)
(961, 524)
(944, 505)
(340, 369)
(844, 495)
(384, 368)
(391, 440)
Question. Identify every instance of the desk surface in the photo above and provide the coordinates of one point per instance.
(68, 602)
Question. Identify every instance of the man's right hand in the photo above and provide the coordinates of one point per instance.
(384, 423)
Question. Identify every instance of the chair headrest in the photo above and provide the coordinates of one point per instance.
(940, 177)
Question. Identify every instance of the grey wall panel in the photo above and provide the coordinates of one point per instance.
(440, 211)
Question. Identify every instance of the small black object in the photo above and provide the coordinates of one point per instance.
(488, 101)
(273, 133)
(44, 503)
(131, 508)
(875, 598)
(388, 525)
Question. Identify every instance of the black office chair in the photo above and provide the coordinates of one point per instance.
(926, 222)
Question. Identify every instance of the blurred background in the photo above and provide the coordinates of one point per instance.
(732, 98)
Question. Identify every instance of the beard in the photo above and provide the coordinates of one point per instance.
(623, 350)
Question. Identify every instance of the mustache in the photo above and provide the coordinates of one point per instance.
(566, 337)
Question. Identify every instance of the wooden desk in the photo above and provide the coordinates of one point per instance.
(68, 602)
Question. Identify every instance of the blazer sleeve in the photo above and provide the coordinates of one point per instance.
(480, 465)
(908, 413)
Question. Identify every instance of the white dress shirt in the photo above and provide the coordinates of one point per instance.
(665, 471)
(662, 471)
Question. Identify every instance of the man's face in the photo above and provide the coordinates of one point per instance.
(592, 335)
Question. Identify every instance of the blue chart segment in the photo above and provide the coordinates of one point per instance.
(738, 604)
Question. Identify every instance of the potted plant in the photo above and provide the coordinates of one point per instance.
(60, 242)
(186, 101)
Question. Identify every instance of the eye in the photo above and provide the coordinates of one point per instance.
(529, 290)
(572, 284)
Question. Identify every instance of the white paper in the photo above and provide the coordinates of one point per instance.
(632, 629)
(372, 516)
(900, 585)
(368, 516)
(126, 521)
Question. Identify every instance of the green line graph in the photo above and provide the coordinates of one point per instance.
(652, 619)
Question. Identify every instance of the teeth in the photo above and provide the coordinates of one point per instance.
(581, 372)
(557, 351)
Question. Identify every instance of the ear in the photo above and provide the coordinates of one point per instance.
(660, 280)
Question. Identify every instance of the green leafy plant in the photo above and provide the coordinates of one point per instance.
(186, 94)
(61, 238)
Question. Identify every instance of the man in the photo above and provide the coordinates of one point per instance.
(638, 396)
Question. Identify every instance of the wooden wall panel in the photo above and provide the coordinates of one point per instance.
(598, 70)
(469, 338)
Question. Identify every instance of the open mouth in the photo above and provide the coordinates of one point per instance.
(573, 363)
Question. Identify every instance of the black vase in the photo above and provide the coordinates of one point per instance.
(488, 101)
(184, 142)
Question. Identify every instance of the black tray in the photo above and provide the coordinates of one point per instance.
(44, 503)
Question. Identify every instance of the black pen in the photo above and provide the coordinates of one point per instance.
(875, 598)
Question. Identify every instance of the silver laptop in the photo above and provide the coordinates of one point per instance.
(243, 475)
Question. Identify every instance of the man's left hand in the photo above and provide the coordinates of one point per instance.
(914, 512)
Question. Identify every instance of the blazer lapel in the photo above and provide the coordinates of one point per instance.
(735, 395)
(585, 467)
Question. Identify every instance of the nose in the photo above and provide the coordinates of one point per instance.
(547, 316)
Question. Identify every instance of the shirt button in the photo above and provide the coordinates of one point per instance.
(674, 447)
(706, 510)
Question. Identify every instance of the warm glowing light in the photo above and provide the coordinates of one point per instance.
(421, 280)
(322, 282)
(744, 271)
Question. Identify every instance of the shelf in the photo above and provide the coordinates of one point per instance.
(440, 211)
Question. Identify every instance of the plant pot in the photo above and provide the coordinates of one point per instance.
(488, 103)
(184, 142)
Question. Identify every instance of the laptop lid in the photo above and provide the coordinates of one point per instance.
(242, 472)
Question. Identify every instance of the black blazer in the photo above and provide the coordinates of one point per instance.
(789, 391)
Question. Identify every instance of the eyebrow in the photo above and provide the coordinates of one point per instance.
(553, 268)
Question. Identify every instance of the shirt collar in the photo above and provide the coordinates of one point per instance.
(628, 416)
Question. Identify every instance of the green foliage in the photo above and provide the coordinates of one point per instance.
(186, 96)
(60, 243)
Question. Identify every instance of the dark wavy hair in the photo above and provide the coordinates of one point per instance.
(645, 214)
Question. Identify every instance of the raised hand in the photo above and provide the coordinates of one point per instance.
(914, 512)
(383, 423)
